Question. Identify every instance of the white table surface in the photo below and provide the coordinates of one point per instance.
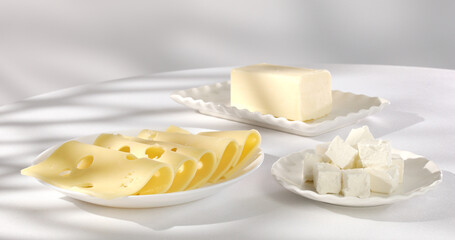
(420, 119)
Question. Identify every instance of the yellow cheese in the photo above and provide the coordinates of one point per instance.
(101, 172)
(207, 163)
(176, 129)
(293, 93)
(226, 149)
(249, 146)
(184, 166)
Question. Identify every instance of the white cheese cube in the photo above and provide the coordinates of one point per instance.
(309, 161)
(321, 149)
(327, 178)
(356, 183)
(399, 163)
(359, 134)
(374, 153)
(294, 93)
(384, 179)
(341, 153)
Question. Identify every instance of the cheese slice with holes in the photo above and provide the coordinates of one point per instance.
(226, 149)
(207, 160)
(249, 142)
(184, 166)
(102, 172)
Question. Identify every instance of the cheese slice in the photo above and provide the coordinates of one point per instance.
(226, 149)
(206, 165)
(249, 142)
(184, 166)
(294, 93)
(102, 172)
(176, 129)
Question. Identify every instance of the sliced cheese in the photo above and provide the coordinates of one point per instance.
(176, 129)
(226, 149)
(184, 166)
(206, 165)
(248, 140)
(249, 146)
(102, 172)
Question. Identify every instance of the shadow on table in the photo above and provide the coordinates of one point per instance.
(382, 124)
(433, 205)
(222, 207)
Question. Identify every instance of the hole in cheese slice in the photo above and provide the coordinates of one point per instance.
(154, 152)
(124, 149)
(85, 162)
(85, 185)
(65, 172)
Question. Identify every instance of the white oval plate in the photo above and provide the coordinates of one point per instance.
(154, 200)
(420, 175)
(214, 100)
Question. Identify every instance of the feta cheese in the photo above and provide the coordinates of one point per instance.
(341, 153)
(309, 160)
(359, 134)
(384, 179)
(399, 163)
(356, 183)
(327, 178)
(321, 149)
(374, 153)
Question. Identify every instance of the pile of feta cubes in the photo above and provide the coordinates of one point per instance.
(355, 167)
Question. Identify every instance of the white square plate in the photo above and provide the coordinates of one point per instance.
(214, 100)
(420, 175)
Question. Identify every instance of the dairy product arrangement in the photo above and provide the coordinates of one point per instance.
(353, 167)
(153, 162)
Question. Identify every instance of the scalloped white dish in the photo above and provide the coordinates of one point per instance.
(153, 200)
(214, 100)
(420, 175)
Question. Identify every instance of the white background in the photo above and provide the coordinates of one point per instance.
(49, 45)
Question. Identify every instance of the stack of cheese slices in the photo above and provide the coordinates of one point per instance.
(355, 167)
(151, 163)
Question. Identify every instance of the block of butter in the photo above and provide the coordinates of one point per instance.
(294, 93)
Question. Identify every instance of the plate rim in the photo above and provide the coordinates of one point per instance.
(358, 202)
(185, 98)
